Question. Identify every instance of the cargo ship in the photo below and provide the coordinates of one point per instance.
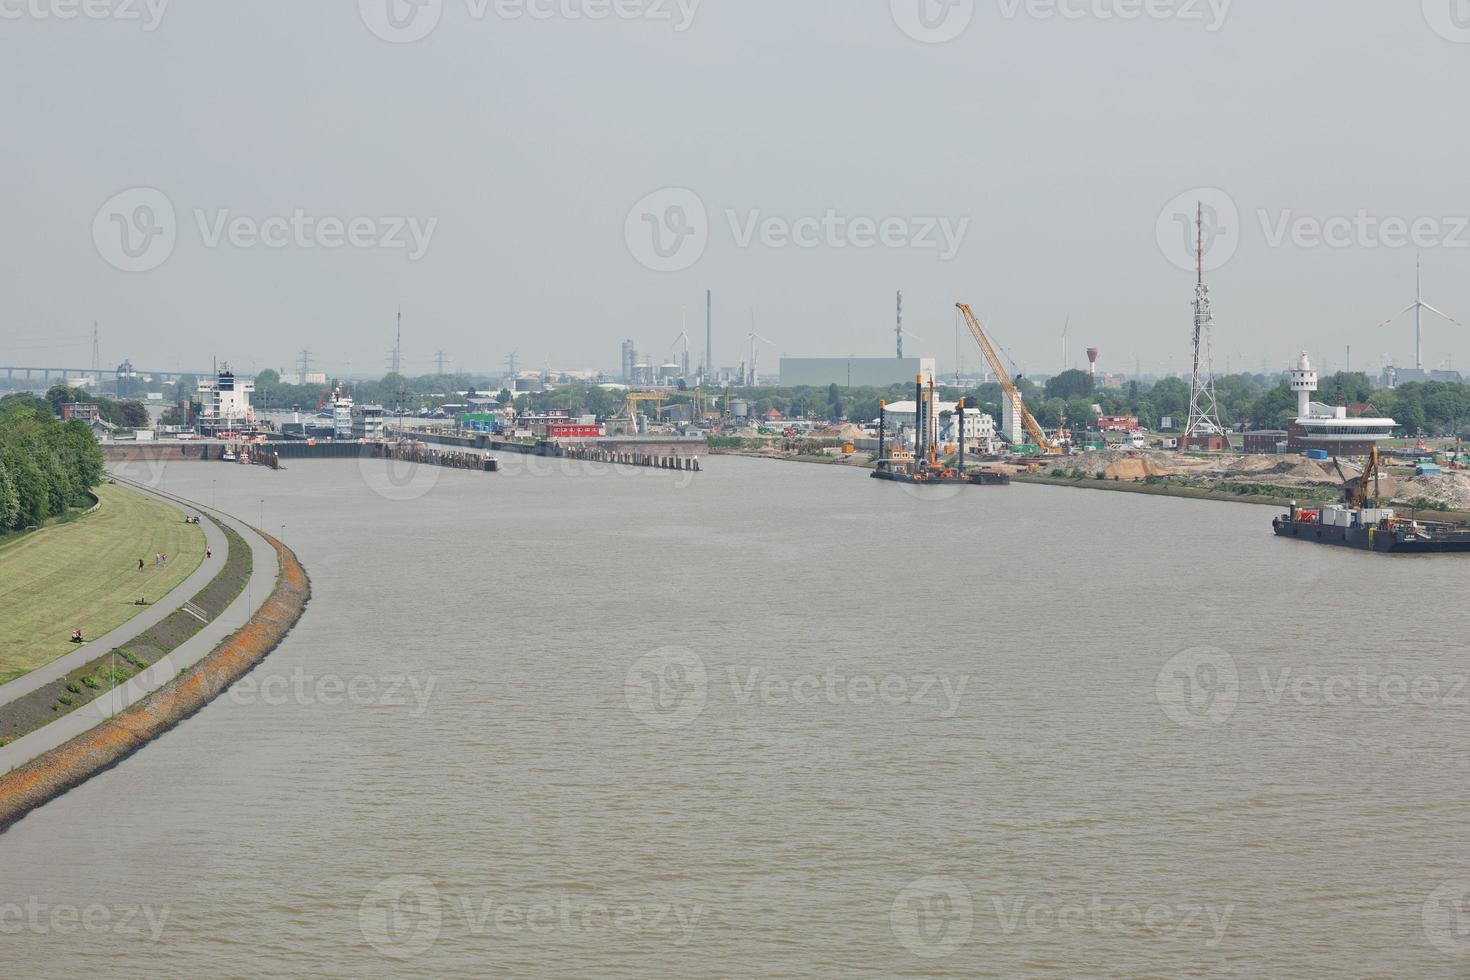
(1358, 522)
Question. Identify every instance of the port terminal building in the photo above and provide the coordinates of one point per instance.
(854, 372)
(1328, 427)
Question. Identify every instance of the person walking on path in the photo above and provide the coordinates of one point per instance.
(208, 552)
(140, 564)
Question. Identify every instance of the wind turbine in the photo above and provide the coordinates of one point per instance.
(1417, 308)
(684, 336)
(754, 353)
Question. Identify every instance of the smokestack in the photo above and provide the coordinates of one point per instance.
(900, 324)
(709, 333)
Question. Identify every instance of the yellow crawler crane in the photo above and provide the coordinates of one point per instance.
(1007, 385)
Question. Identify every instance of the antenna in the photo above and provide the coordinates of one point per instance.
(395, 356)
(303, 363)
(1204, 411)
(900, 325)
(96, 354)
(439, 358)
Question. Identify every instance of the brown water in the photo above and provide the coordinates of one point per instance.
(782, 719)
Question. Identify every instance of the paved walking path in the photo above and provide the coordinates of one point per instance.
(85, 653)
(265, 567)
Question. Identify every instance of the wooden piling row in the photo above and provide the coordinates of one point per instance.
(594, 454)
(418, 452)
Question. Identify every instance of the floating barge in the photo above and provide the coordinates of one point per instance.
(1358, 522)
(1372, 529)
(921, 466)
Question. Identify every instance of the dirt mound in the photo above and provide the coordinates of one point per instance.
(1136, 468)
(1451, 489)
(847, 432)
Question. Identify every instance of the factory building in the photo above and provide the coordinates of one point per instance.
(854, 372)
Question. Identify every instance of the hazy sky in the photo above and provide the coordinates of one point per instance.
(519, 149)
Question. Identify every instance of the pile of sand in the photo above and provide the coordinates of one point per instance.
(1136, 468)
(847, 432)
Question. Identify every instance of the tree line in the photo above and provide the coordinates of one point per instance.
(46, 466)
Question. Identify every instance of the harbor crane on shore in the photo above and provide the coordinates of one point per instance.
(1008, 387)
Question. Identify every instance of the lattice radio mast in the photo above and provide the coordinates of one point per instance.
(1204, 410)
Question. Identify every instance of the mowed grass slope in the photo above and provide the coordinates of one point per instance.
(84, 575)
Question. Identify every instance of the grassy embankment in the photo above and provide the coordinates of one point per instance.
(83, 574)
(92, 680)
(71, 764)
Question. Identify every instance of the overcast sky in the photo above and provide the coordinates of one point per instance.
(509, 175)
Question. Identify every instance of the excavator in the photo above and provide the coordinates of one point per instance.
(1008, 386)
(1355, 494)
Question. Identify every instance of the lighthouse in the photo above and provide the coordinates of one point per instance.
(1304, 383)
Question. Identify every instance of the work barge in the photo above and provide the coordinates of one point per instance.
(921, 465)
(1361, 522)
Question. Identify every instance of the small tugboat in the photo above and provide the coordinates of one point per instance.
(1358, 522)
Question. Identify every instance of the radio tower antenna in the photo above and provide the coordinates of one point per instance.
(395, 356)
(96, 354)
(900, 324)
(1204, 410)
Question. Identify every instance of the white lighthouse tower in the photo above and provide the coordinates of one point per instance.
(1304, 383)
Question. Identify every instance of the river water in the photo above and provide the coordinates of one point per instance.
(782, 719)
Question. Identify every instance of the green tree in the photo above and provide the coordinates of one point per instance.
(1070, 384)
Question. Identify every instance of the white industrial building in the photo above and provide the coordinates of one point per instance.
(1329, 427)
(979, 427)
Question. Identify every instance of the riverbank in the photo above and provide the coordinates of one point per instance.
(113, 740)
(82, 573)
(1282, 499)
